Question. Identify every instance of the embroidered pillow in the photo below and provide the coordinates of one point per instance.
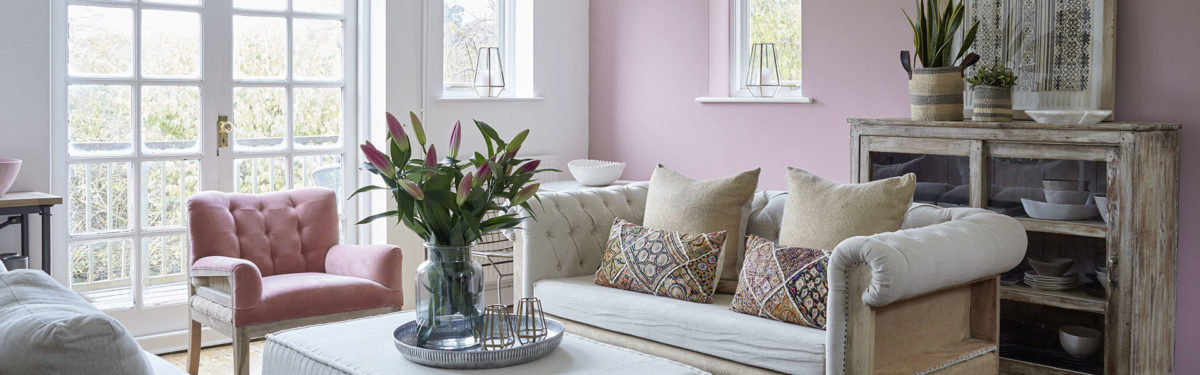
(783, 283)
(662, 263)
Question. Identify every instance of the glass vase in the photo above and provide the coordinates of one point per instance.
(449, 299)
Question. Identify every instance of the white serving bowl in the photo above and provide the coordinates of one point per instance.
(1102, 204)
(1079, 341)
(1051, 211)
(8, 173)
(1066, 196)
(1069, 116)
(1070, 185)
(595, 172)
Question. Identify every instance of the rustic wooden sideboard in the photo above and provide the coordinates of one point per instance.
(993, 165)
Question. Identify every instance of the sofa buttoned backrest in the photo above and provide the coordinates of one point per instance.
(280, 232)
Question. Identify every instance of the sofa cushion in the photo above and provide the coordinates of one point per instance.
(47, 329)
(783, 283)
(663, 263)
(678, 203)
(820, 213)
(706, 328)
(305, 294)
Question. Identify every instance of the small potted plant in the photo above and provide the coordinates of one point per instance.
(936, 88)
(992, 86)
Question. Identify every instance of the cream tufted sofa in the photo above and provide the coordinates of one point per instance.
(920, 300)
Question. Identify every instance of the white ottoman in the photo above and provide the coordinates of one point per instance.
(365, 347)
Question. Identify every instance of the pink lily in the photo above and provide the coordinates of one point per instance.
(412, 189)
(378, 159)
(455, 139)
(529, 166)
(431, 157)
(525, 193)
(397, 132)
(464, 188)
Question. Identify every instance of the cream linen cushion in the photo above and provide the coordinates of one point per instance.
(680, 204)
(820, 213)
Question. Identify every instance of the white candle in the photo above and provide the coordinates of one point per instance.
(764, 77)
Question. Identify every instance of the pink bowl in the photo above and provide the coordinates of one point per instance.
(8, 173)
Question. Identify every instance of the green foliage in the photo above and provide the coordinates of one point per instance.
(933, 33)
(994, 75)
(778, 22)
(465, 30)
(427, 193)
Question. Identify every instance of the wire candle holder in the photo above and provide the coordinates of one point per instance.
(762, 71)
(531, 320)
(498, 330)
(489, 73)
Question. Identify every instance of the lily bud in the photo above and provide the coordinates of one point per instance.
(431, 157)
(525, 193)
(529, 166)
(397, 132)
(417, 128)
(484, 172)
(464, 188)
(378, 159)
(412, 189)
(455, 139)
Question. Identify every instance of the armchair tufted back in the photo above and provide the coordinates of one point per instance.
(280, 232)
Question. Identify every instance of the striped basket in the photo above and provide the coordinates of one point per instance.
(992, 103)
(936, 94)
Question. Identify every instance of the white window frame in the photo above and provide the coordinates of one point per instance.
(506, 14)
(739, 54)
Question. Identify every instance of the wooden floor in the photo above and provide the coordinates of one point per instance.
(218, 360)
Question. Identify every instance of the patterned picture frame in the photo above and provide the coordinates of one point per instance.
(1062, 51)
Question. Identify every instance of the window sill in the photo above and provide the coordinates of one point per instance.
(478, 99)
(751, 99)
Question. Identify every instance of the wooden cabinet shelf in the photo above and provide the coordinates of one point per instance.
(1083, 228)
(1066, 299)
(1013, 366)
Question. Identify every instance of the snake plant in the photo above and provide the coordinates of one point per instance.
(934, 31)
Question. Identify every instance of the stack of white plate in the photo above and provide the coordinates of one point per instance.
(1065, 282)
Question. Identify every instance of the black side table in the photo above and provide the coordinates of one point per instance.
(17, 206)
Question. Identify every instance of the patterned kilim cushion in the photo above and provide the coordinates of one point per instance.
(783, 283)
(662, 263)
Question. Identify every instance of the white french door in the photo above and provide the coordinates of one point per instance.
(140, 88)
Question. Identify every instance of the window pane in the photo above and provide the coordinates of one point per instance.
(170, 119)
(260, 175)
(100, 272)
(318, 170)
(99, 200)
(778, 21)
(163, 272)
(318, 49)
(178, 2)
(99, 119)
(467, 25)
(99, 41)
(166, 185)
(260, 4)
(259, 47)
(318, 6)
(259, 117)
(170, 44)
(318, 117)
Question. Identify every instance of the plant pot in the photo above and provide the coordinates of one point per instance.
(936, 94)
(992, 103)
(449, 301)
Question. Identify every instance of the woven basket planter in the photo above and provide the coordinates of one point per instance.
(992, 103)
(936, 94)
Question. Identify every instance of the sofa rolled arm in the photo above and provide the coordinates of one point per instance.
(379, 263)
(231, 282)
(566, 235)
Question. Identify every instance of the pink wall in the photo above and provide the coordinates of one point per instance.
(649, 61)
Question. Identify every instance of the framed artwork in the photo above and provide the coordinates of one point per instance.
(1062, 51)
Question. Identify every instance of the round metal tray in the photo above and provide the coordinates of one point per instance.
(406, 342)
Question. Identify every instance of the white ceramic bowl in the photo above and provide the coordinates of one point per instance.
(1066, 196)
(1079, 341)
(595, 172)
(8, 173)
(1069, 116)
(1051, 211)
(1051, 267)
(1071, 185)
(1102, 204)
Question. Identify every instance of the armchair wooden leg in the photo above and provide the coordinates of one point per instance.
(241, 352)
(193, 364)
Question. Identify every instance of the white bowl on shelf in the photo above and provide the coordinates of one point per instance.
(1102, 204)
(1069, 116)
(1080, 341)
(1051, 211)
(1067, 196)
(595, 172)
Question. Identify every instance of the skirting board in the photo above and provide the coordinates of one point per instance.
(177, 341)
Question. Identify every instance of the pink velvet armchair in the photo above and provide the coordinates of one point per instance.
(267, 262)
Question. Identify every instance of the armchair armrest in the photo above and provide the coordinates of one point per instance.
(379, 263)
(945, 249)
(233, 282)
(567, 235)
